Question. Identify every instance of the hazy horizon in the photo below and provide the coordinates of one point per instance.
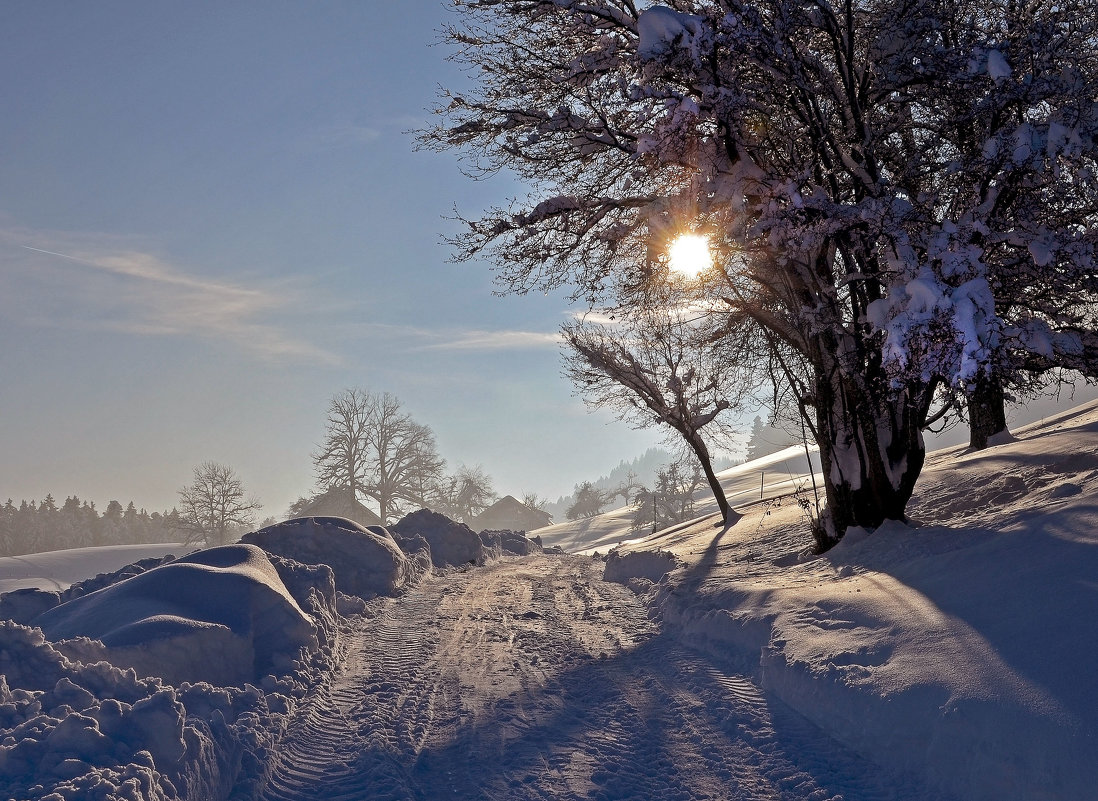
(214, 221)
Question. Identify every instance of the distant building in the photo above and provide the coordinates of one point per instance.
(338, 502)
(510, 514)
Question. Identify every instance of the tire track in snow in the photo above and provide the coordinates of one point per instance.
(533, 679)
(350, 739)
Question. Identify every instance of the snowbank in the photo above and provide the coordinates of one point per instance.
(366, 561)
(451, 543)
(959, 650)
(506, 542)
(74, 731)
(222, 615)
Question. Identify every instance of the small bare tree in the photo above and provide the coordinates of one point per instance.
(655, 368)
(531, 500)
(465, 494)
(213, 506)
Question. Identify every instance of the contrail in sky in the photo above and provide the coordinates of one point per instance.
(62, 255)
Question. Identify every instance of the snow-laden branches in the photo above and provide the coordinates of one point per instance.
(903, 192)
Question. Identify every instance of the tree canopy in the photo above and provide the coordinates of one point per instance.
(901, 194)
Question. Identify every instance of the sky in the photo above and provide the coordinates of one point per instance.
(213, 219)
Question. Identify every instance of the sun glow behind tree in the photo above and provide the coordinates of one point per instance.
(689, 255)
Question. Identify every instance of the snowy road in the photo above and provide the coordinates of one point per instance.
(533, 679)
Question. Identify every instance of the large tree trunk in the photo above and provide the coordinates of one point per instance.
(871, 453)
(986, 410)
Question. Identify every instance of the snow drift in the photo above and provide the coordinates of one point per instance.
(366, 561)
(451, 543)
(222, 615)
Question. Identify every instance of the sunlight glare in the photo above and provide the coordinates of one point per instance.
(690, 255)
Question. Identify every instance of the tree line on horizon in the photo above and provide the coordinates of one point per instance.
(38, 526)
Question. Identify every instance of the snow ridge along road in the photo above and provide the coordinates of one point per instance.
(532, 678)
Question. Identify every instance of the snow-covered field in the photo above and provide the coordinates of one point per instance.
(952, 659)
(57, 570)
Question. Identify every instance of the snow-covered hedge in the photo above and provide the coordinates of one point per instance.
(506, 542)
(648, 565)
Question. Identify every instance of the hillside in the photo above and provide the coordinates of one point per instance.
(958, 649)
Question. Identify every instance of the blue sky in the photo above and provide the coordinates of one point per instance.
(212, 219)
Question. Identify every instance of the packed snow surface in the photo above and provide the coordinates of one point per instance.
(949, 657)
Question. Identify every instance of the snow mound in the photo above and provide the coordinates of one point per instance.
(515, 543)
(75, 731)
(649, 565)
(23, 605)
(451, 543)
(222, 615)
(366, 560)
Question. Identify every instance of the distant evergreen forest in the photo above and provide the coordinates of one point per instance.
(34, 527)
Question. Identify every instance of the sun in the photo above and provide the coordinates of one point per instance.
(690, 255)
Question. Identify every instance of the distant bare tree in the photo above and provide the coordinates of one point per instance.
(343, 458)
(587, 501)
(402, 459)
(465, 494)
(214, 505)
(373, 448)
(672, 499)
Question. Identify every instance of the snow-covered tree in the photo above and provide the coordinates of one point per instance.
(653, 367)
(214, 506)
(901, 193)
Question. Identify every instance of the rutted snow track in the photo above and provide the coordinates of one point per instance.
(532, 679)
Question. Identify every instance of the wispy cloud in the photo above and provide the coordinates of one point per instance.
(100, 285)
(464, 339)
(497, 340)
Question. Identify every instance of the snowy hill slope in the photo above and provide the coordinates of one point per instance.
(959, 649)
(773, 475)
